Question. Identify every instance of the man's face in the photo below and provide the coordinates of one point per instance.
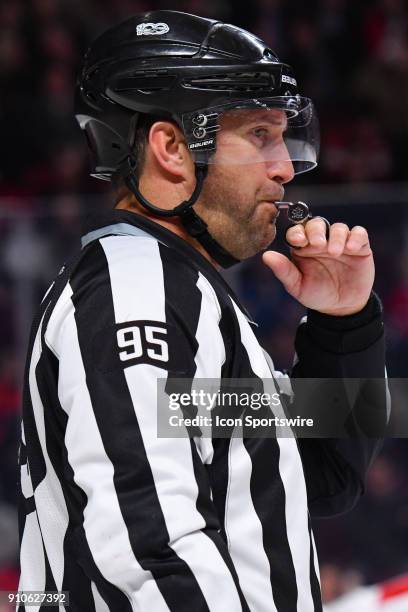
(249, 168)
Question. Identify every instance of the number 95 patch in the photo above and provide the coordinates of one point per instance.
(131, 343)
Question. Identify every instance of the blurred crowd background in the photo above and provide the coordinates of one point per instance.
(351, 57)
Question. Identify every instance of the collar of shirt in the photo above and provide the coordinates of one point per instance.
(120, 222)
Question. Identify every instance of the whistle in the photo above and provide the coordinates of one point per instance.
(297, 212)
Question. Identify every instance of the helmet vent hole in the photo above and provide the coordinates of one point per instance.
(270, 55)
(237, 81)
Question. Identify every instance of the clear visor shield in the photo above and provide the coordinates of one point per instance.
(276, 129)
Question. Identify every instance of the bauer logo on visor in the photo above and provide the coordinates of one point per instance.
(146, 29)
(198, 145)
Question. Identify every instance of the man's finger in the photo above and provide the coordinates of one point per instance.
(339, 233)
(284, 270)
(358, 239)
(316, 232)
(296, 236)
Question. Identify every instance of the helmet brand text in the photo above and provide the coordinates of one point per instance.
(288, 79)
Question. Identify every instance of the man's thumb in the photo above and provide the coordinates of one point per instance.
(284, 270)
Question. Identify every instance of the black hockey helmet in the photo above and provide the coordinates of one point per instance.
(190, 70)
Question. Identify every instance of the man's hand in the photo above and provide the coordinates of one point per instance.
(333, 276)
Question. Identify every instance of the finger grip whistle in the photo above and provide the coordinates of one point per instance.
(299, 213)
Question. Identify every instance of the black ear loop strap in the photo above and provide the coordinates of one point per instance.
(194, 225)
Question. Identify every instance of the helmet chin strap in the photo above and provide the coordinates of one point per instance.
(194, 225)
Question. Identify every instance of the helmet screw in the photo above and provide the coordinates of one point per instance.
(200, 120)
(199, 132)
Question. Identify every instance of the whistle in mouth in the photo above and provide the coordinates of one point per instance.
(297, 212)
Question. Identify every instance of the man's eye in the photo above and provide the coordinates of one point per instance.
(260, 132)
(260, 136)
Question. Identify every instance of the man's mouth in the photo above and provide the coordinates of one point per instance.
(277, 197)
(272, 204)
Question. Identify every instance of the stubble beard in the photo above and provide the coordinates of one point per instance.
(236, 220)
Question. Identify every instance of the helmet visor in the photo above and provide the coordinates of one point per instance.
(258, 130)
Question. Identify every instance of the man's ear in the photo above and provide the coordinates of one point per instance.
(168, 146)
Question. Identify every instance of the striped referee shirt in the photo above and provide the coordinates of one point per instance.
(126, 521)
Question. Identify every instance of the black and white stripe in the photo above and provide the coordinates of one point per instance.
(121, 518)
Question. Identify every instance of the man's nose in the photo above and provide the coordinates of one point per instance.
(281, 170)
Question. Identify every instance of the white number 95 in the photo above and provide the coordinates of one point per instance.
(142, 340)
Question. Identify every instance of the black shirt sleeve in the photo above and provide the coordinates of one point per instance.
(349, 350)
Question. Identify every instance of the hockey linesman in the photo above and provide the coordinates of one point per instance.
(198, 125)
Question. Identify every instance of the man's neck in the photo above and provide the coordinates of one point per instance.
(173, 224)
